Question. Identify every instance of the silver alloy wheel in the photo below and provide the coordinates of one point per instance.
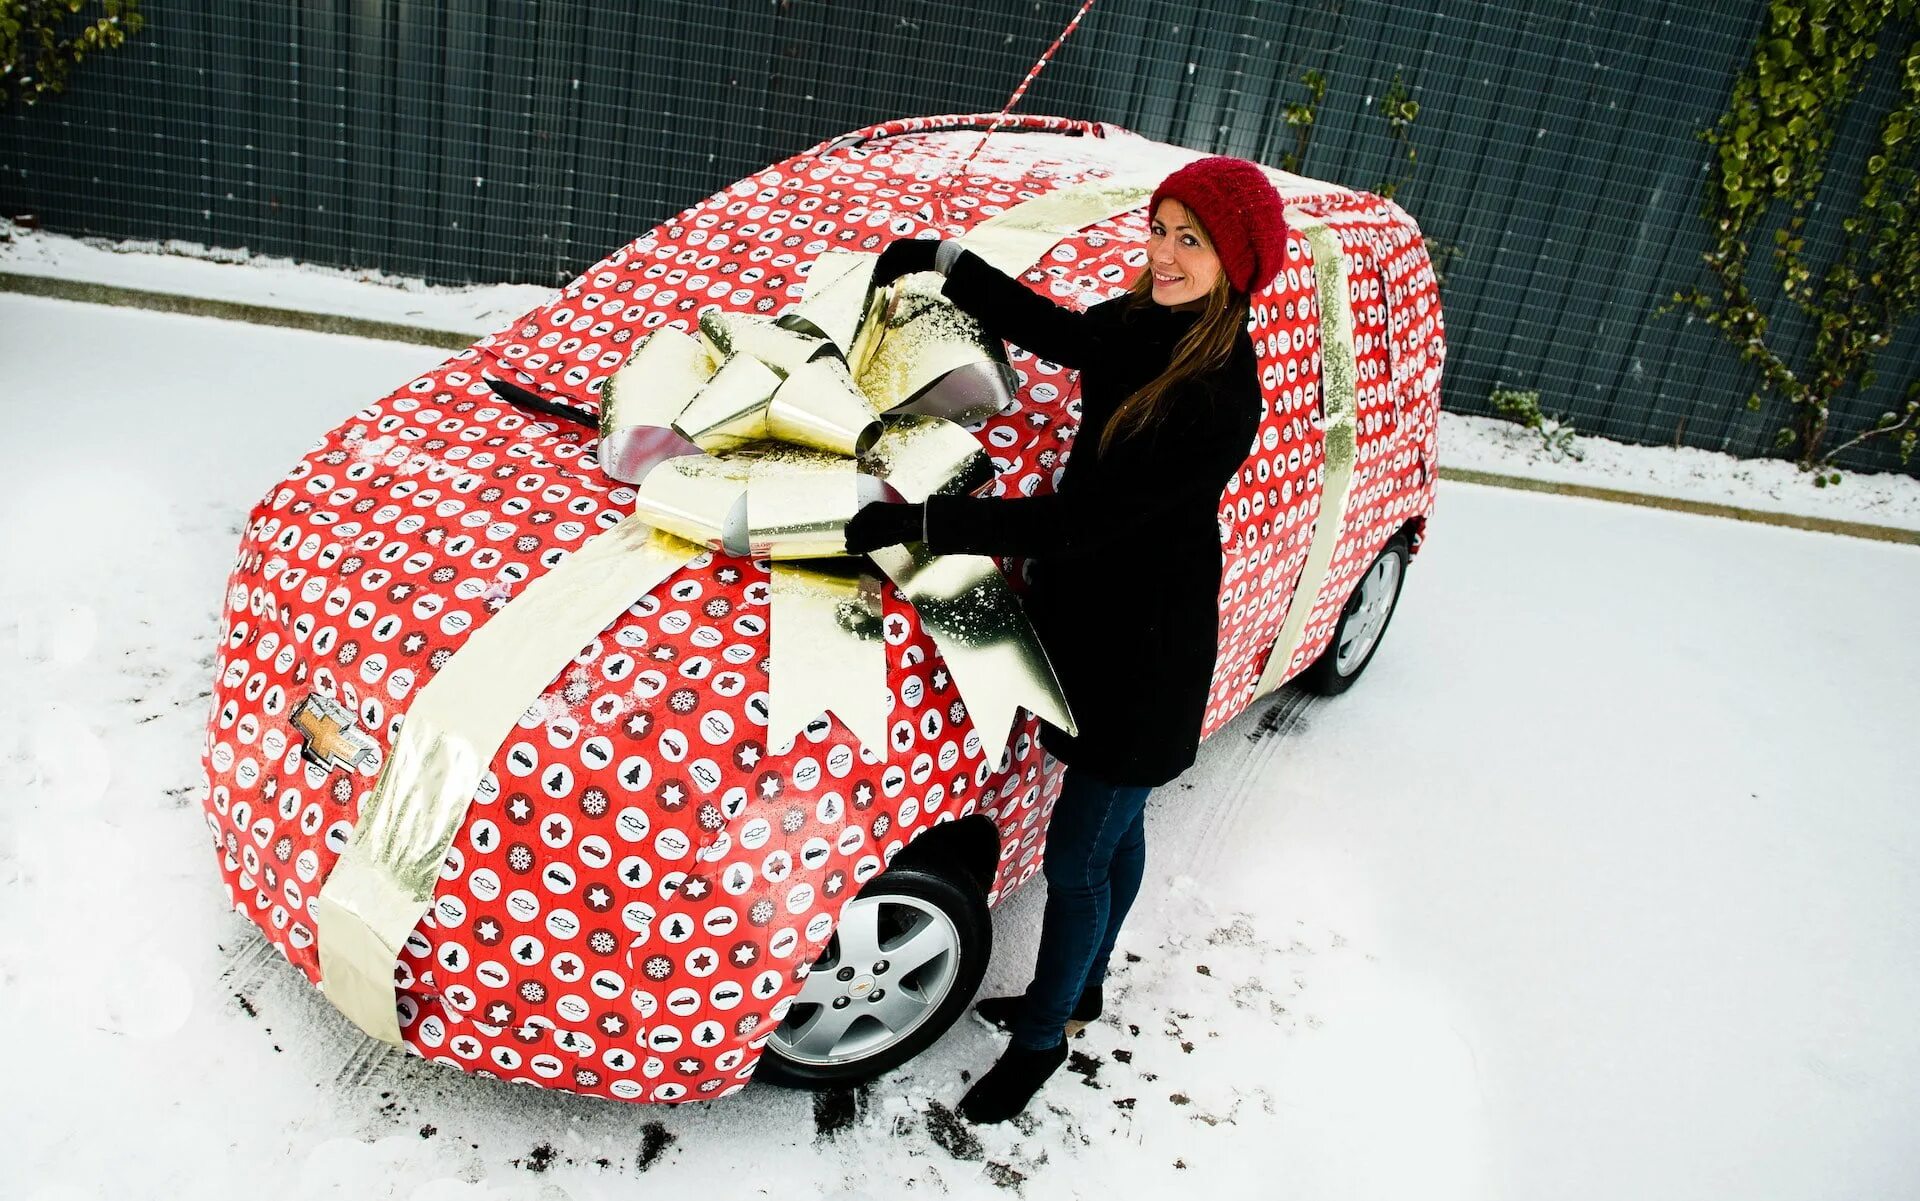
(890, 963)
(1360, 629)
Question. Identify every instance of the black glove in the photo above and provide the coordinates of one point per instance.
(904, 256)
(883, 523)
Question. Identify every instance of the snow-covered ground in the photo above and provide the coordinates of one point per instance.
(1479, 443)
(1601, 885)
(210, 273)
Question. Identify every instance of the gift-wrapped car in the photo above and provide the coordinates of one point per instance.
(539, 772)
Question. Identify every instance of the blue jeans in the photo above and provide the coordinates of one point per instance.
(1095, 854)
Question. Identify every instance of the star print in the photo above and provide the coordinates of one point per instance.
(939, 679)
(599, 898)
(433, 536)
(520, 808)
(565, 965)
(671, 794)
(413, 642)
(727, 575)
(488, 929)
(556, 829)
(496, 603)
(639, 724)
(833, 885)
(701, 961)
(863, 792)
(663, 653)
(695, 889)
(272, 786)
(743, 955)
(612, 1026)
(689, 1066)
(896, 627)
(770, 787)
(748, 756)
(499, 1012)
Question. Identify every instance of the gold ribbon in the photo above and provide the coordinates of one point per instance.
(760, 437)
(1339, 383)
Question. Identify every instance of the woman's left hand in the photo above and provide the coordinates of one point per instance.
(904, 256)
(883, 523)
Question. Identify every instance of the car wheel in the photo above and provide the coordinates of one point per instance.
(1362, 623)
(906, 958)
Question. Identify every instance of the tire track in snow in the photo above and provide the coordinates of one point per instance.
(1247, 759)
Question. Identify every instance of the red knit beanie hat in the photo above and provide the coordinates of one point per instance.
(1237, 204)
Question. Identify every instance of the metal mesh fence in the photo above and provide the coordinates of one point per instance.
(1557, 172)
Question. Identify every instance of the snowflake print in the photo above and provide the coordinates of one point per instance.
(520, 858)
(532, 991)
(349, 651)
(719, 606)
(593, 802)
(602, 942)
(525, 543)
(683, 700)
(657, 967)
(442, 574)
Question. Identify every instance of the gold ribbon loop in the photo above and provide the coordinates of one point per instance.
(700, 499)
(639, 403)
(926, 342)
(731, 410)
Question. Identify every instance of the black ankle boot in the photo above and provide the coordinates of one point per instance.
(1001, 1011)
(1011, 1083)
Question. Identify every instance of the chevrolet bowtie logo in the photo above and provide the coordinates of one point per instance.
(331, 740)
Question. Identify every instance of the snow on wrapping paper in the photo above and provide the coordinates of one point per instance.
(636, 892)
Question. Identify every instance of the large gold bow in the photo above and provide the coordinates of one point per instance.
(764, 436)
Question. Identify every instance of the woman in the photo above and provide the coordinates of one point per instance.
(1125, 556)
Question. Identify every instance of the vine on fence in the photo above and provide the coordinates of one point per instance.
(41, 43)
(1772, 148)
(1399, 108)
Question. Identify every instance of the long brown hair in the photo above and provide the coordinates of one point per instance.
(1202, 348)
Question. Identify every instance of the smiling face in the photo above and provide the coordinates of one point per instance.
(1181, 257)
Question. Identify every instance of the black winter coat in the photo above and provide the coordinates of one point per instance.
(1126, 551)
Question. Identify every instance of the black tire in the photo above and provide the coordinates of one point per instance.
(957, 896)
(1324, 677)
